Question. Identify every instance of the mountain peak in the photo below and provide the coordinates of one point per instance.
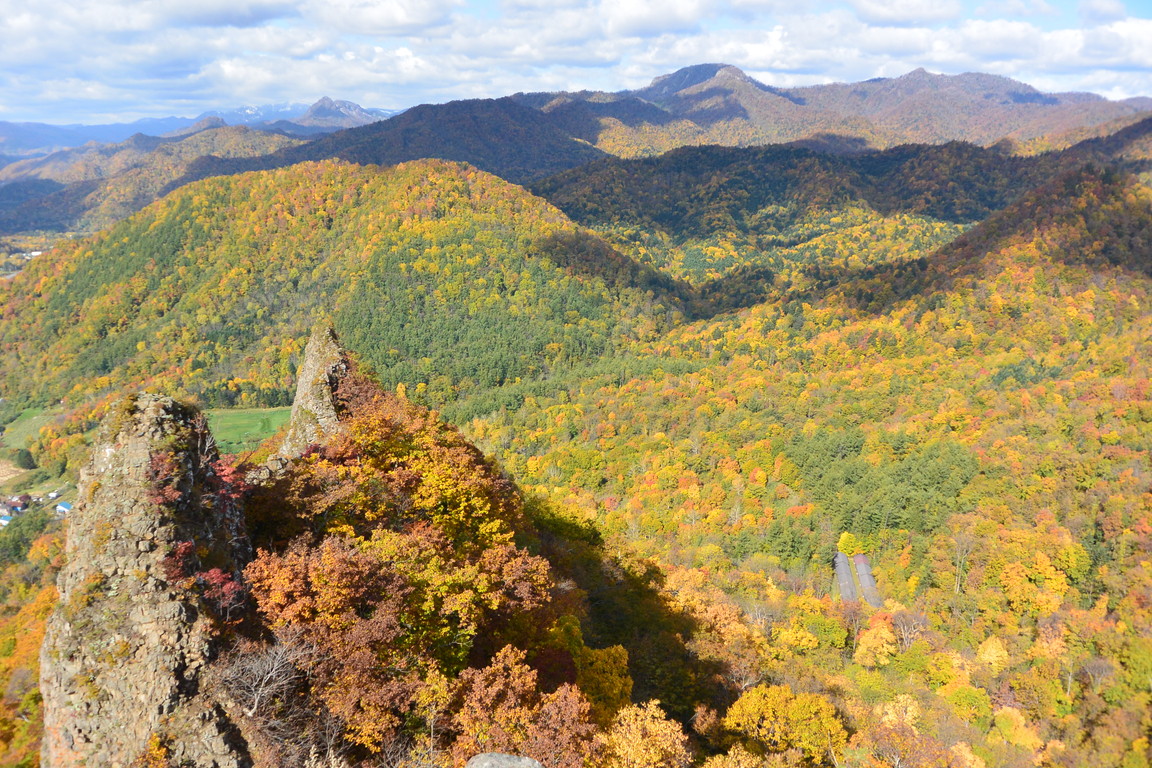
(333, 113)
(203, 124)
(689, 77)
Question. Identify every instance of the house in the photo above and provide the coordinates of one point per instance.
(4, 520)
(63, 509)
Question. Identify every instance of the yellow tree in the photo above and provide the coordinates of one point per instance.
(877, 643)
(774, 719)
(642, 737)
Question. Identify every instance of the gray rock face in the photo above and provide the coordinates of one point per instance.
(314, 415)
(497, 760)
(127, 646)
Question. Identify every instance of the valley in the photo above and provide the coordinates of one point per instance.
(520, 415)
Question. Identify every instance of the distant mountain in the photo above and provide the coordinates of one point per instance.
(203, 124)
(720, 104)
(25, 139)
(327, 113)
(527, 137)
(304, 121)
(257, 115)
(32, 139)
(93, 186)
(979, 108)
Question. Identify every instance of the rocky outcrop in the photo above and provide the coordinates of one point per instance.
(314, 416)
(137, 623)
(498, 760)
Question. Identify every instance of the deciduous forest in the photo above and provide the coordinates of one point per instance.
(604, 437)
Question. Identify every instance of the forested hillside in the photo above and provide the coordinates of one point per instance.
(700, 212)
(440, 274)
(710, 373)
(977, 422)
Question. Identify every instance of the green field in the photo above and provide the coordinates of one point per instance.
(242, 429)
(27, 425)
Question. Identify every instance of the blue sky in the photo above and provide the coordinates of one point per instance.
(111, 60)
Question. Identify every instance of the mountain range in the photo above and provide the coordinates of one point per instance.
(529, 136)
(19, 140)
(703, 374)
(720, 104)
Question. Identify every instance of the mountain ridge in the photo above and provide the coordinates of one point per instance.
(719, 103)
(526, 137)
(19, 139)
(368, 241)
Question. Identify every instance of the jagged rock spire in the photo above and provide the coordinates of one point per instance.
(314, 416)
(130, 640)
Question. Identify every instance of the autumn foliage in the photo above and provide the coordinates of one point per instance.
(404, 574)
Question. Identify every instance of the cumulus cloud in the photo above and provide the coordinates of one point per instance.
(907, 11)
(643, 18)
(1102, 10)
(372, 17)
(222, 13)
(1000, 39)
(68, 60)
(1015, 8)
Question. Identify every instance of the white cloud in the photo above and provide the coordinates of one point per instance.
(1000, 39)
(1102, 10)
(221, 13)
(907, 11)
(1015, 8)
(373, 17)
(643, 18)
(901, 42)
(65, 60)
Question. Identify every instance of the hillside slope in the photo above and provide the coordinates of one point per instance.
(439, 274)
(499, 136)
(701, 212)
(979, 422)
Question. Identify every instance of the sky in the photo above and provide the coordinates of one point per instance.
(94, 61)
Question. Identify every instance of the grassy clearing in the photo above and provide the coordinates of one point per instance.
(26, 426)
(242, 429)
